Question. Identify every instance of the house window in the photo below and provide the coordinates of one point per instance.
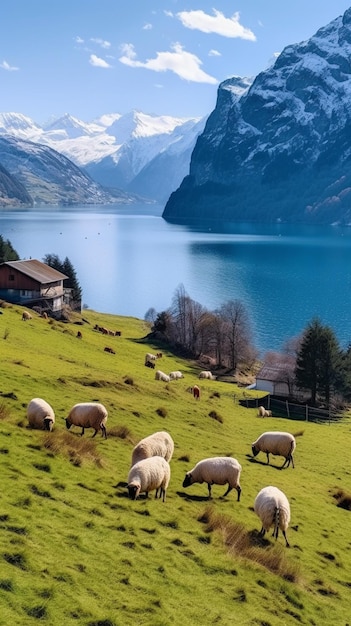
(11, 277)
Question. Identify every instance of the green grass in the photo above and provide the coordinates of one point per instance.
(74, 550)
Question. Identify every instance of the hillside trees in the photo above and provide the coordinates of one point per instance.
(7, 251)
(319, 362)
(71, 282)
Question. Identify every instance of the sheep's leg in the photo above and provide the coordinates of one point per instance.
(94, 434)
(163, 492)
(103, 431)
(82, 433)
(262, 532)
(238, 488)
(267, 453)
(286, 541)
(228, 490)
(285, 462)
(209, 490)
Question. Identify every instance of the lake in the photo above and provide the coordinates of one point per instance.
(129, 259)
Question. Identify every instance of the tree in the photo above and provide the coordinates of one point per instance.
(66, 267)
(236, 331)
(7, 252)
(318, 361)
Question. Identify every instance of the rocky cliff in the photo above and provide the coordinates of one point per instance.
(280, 148)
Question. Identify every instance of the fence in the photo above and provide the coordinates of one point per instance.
(284, 408)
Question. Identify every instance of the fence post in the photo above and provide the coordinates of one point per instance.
(287, 408)
(306, 412)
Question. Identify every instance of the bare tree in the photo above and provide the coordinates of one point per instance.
(236, 331)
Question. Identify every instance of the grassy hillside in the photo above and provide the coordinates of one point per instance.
(74, 550)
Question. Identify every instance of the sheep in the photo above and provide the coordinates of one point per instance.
(162, 376)
(196, 392)
(176, 375)
(157, 444)
(207, 374)
(150, 357)
(216, 471)
(110, 350)
(40, 414)
(262, 412)
(272, 507)
(277, 443)
(88, 415)
(26, 316)
(147, 475)
(150, 364)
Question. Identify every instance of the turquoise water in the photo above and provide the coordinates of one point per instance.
(129, 259)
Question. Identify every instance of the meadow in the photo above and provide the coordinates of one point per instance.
(74, 550)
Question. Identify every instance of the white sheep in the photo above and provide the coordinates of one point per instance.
(162, 376)
(88, 415)
(216, 471)
(277, 443)
(157, 444)
(150, 357)
(176, 375)
(40, 414)
(272, 507)
(26, 316)
(207, 374)
(147, 475)
(262, 412)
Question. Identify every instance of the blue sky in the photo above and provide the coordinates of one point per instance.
(166, 57)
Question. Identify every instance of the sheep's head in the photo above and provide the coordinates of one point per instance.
(187, 480)
(48, 424)
(68, 423)
(133, 491)
(255, 450)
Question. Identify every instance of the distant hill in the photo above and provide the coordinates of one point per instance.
(122, 152)
(279, 149)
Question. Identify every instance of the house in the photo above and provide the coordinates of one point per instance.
(278, 381)
(33, 284)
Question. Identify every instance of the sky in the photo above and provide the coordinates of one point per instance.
(162, 57)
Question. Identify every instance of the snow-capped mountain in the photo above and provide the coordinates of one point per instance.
(279, 148)
(114, 148)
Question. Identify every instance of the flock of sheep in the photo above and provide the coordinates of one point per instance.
(150, 463)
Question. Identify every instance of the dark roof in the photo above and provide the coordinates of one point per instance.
(37, 270)
(275, 374)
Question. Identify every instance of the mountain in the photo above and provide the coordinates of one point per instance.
(43, 176)
(114, 149)
(280, 148)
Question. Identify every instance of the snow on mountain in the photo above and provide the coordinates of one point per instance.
(281, 148)
(114, 148)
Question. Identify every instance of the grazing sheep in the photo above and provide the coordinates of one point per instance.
(176, 375)
(196, 392)
(158, 444)
(162, 376)
(262, 412)
(147, 475)
(207, 375)
(150, 357)
(277, 443)
(216, 471)
(272, 507)
(88, 415)
(110, 350)
(40, 414)
(26, 316)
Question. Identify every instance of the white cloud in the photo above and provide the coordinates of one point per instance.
(147, 27)
(214, 53)
(9, 68)
(216, 23)
(168, 13)
(182, 63)
(97, 62)
(101, 42)
(79, 39)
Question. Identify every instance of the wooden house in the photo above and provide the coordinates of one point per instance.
(278, 380)
(33, 284)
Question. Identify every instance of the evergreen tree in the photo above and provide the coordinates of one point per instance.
(7, 252)
(318, 363)
(66, 267)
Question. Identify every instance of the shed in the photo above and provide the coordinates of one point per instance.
(34, 284)
(274, 380)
